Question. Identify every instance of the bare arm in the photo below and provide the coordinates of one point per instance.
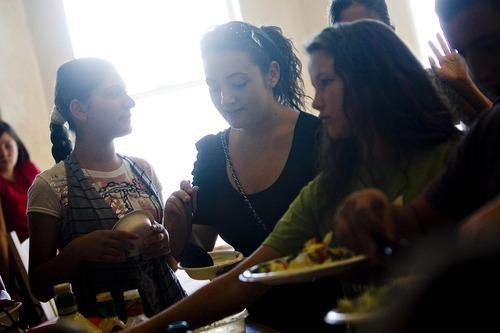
(48, 267)
(484, 223)
(220, 298)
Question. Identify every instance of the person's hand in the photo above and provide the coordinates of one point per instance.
(158, 244)
(452, 68)
(175, 213)
(176, 218)
(364, 223)
(111, 246)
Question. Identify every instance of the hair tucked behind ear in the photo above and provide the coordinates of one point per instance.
(76, 79)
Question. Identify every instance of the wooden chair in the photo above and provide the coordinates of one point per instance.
(20, 252)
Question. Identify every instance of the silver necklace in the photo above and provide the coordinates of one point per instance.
(238, 185)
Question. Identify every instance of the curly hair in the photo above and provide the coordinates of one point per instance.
(268, 44)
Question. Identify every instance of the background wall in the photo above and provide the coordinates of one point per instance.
(34, 41)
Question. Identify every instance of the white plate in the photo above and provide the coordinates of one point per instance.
(302, 274)
(231, 324)
(139, 222)
(334, 317)
(223, 260)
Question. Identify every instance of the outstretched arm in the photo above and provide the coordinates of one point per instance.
(220, 298)
(484, 223)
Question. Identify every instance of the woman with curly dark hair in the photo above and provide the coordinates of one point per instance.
(246, 176)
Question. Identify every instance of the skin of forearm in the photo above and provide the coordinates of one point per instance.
(207, 304)
(177, 239)
(472, 95)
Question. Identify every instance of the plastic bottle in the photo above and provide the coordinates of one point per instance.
(68, 309)
(178, 327)
(110, 321)
(134, 308)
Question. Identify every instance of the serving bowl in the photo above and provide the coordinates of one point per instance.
(223, 261)
(139, 222)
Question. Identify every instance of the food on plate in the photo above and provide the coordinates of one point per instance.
(373, 298)
(368, 301)
(313, 253)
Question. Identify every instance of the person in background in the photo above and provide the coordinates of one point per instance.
(17, 172)
(450, 74)
(382, 134)
(466, 195)
(73, 206)
(246, 176)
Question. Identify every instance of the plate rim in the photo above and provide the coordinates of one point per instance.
(350, 317)
(298, 274)
(137, 211)
(239, 257)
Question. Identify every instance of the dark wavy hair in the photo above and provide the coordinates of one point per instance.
(23, 154)
(388, 99)
(337, 7)
(264, 44)
(76, 79)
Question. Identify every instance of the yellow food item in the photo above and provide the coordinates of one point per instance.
(314, 252)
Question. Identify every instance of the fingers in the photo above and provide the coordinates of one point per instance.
(122, 234)
(360, 217)
(444, 45)
(157, 244)
(186, 186)
(175, 203)
(116, 243)
(433, 64)
(157, 227)
(435, 50)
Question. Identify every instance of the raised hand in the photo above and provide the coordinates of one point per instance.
(452, 68)
(176, 218)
